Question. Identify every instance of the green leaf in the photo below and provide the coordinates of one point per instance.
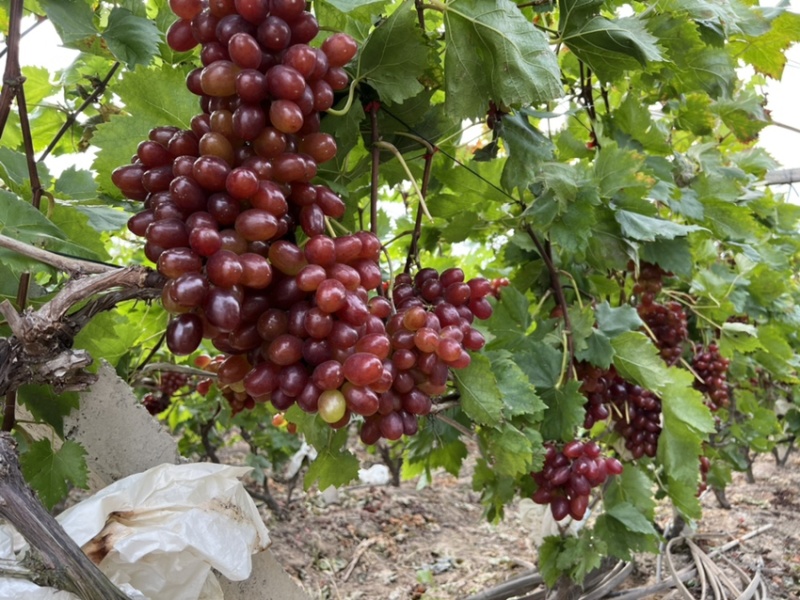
(648, 229)
(767, 52)
(614, 321)
(564, 412)
(74, 22)
(510, 320)
(37, 85)
(109, 335)
(132, 40)
(436, 445)
(518, 394)
(542, 364)
(598, 350)
(616, 169)
(549, 552)
(622, 541)
(628, 515)
(47, 406)
(581, 554)
(608, 47)
(395, 56)
(738, 337)
(638, 360)
(347, 6)
(50, 472)
(19, 220)
(155, 95)
(332, 467)
(480, 397)
(510, 449)
(632, 487)
(77, 184)
(14, 171)
(526, 147)
(672, 255)
(495, 54)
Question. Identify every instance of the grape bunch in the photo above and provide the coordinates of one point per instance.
(235, 223)
(171, 382)
(712, 368)
(636, 411)
(667, 321)
(568, 476)
(668, 324)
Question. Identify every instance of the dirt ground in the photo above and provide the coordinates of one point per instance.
(388, 543)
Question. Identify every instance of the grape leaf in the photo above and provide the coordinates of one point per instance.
(598, 350)
(526, 147)
(21, 221)
(638, 360)
(616, 169)
(495, 54)
(332, 467)
(50, 471)
(151, 95)
(632, 487)
(480, 397)
(623, 541)
(74, 22)
(47, 406)
(510, 449)
(132, 40)
(564, 412)
(347, 6)
(77, 184)
(436, 444)
(738, 337)
(608, 47)
(767, 53)
(394, 56)
(510, 320)
(519, 395)
(581, 554)
(648, 229)
(614, 321)
(14, 171)
(672, 255)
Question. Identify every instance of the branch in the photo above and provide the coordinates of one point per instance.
(72, 117)
(376, 159)
(73, 266)
(12, 77)
(40, 349)
(60, 562)
(413, 250)
(555, 284)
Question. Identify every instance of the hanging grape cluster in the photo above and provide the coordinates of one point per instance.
(635, 411)
(712, 368)
(171, 382)
(569, 475)
(235, 223)
(667, 321)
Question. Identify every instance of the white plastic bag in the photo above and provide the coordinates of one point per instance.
(158, 534)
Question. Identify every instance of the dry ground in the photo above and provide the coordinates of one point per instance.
(386, 543)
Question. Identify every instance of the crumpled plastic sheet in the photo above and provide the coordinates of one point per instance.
(158, 534)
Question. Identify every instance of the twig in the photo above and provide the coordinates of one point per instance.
(73, 266)
(187, 370)
(376, 159)
(391, 148)
(360, 550)
(413, 250)
(72, 117)
(12, 77)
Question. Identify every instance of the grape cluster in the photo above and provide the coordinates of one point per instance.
(568, 476)
(667, 321)
(236, 225)
(171, 382)
(669, 327)
(636, 411)
(712, 368)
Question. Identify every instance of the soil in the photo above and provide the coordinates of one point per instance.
(433, 543)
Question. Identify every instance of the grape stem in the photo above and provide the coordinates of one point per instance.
(555, 284)
(391, 148)
(186, 370)
(350, 95)
(376, 166)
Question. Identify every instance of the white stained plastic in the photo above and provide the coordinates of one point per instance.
(162, 531)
